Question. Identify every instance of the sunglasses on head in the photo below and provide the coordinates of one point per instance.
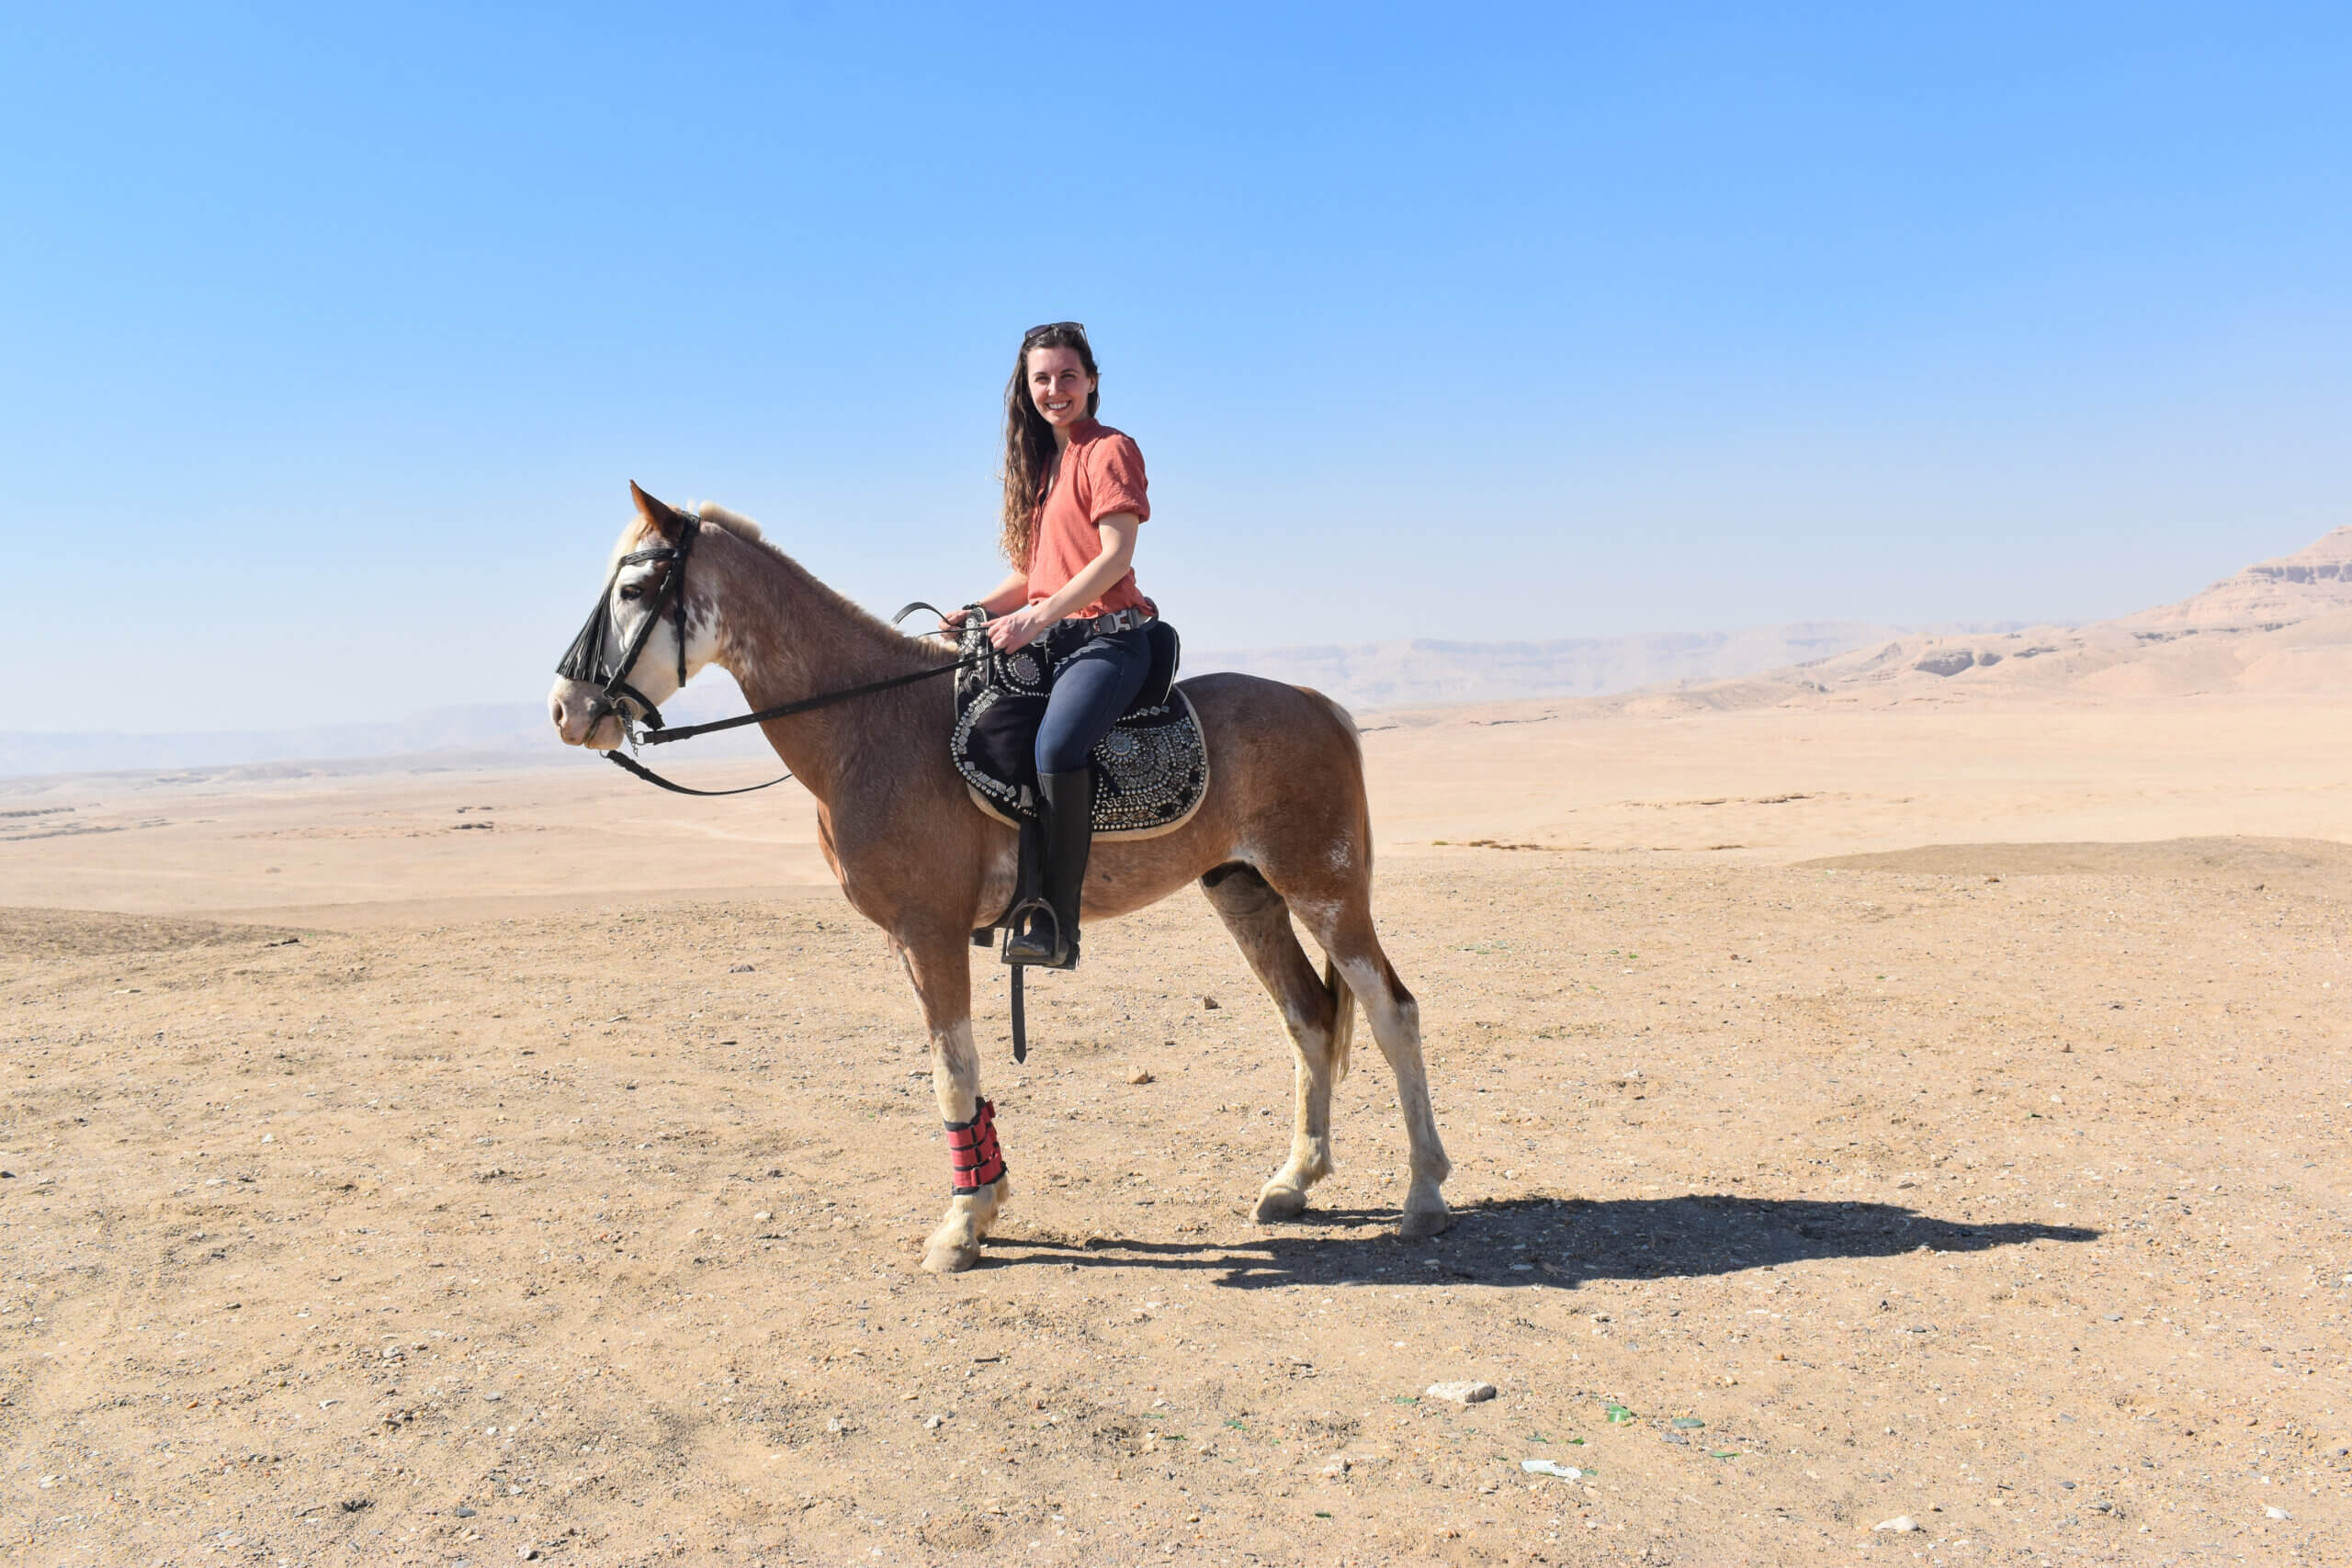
(1034, 334)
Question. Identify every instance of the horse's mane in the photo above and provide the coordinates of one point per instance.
(748, 531)
(733, 522)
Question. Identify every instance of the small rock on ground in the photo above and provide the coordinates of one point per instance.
(1900, 1522)
(1462, 1392)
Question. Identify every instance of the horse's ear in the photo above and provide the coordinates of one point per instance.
(665, 520)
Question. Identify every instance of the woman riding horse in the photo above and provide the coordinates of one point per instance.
(1074, 501)
(1281, 841)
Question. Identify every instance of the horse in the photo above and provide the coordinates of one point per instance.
(1285, 829)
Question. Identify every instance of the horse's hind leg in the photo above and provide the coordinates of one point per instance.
(1259, 922)
(939, 967)
(1345, 931)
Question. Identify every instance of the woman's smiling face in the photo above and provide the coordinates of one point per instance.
(1060, 386)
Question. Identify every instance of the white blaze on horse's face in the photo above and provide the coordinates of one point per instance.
(634, 593)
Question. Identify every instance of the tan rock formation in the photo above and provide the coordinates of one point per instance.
(2310, 583)
(2280, 626)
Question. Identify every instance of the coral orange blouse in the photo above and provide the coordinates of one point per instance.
(1100, 472)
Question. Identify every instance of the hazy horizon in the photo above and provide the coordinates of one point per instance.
(1597, 666)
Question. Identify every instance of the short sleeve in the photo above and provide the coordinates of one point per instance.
(1114, 472)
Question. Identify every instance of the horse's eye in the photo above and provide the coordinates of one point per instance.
(632, 592)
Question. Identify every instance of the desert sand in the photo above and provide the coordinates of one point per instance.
(1872, 1102)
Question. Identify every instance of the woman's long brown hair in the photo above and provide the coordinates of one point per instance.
(1029, 440)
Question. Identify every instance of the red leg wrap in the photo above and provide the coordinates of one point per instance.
(973, 1159)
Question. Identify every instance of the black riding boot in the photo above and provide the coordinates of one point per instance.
(1048, 936)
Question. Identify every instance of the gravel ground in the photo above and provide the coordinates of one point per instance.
(1997, 1189)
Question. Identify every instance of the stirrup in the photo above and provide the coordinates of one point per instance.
(1022, 944)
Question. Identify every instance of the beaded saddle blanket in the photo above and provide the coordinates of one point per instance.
(1151, 770)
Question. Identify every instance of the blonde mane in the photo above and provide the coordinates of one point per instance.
(733, 522)
(744, 528)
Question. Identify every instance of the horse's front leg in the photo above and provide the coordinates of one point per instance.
(941, 970)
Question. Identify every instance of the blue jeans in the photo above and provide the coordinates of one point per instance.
(1093, 686)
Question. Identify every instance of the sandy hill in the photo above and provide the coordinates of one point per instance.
(2280, 626)
(2308, 585)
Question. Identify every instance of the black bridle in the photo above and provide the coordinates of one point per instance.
(589, 663)
(588, 659)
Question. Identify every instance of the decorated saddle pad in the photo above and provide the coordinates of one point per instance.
(1151, 770)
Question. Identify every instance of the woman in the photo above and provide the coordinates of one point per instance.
(1074, 499)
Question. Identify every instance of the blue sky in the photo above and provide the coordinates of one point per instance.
(329, 335)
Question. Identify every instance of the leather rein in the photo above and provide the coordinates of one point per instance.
(585, 661)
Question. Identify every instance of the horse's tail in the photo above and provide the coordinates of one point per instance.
(1344, 1000)
(1343, 1017)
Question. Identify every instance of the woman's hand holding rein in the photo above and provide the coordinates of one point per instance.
(1019, 629)
(1004, 598)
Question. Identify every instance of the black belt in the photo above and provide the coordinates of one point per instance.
(1116, 621)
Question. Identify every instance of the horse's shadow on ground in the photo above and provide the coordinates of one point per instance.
(1547, 1242)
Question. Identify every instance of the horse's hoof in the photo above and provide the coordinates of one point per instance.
(949, 1258)
(1419, 1225)
(1276, 1204)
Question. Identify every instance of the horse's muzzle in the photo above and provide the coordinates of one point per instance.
(583, 716)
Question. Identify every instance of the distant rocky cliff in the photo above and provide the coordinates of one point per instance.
(2281, 627)
(2268, 594)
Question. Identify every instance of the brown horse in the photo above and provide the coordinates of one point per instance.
(1284, 830)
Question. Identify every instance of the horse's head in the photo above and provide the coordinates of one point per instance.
(652, 629)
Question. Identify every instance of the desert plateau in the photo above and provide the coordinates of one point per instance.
(1896, 1108)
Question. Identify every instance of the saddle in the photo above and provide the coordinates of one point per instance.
(1151, 769)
